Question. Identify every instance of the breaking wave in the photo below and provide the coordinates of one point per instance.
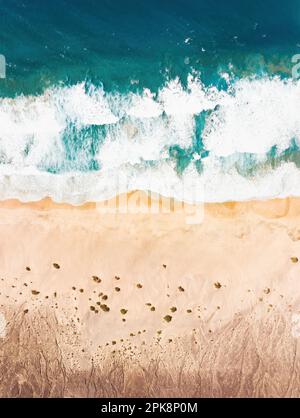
(186, 140)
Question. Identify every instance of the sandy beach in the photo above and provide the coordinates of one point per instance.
(195, 301)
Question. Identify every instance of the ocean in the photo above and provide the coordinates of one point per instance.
(193, 99)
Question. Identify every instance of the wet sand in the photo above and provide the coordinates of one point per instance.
(172, 301)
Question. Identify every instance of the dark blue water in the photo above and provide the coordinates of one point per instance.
(113, 42)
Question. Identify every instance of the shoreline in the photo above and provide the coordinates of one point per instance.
(141, 202)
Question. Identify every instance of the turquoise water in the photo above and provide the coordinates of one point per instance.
(112, 42)
(194, 99)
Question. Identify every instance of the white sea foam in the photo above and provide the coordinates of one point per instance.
(256, 115)
(86, 108)
(213, 186)
(193, 100)
(145, 106)
(251, 117)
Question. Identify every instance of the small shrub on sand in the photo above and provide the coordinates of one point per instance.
(168, 318)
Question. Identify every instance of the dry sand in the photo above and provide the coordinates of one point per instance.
(203, 301)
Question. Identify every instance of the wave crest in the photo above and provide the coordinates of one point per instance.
(73, 143)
